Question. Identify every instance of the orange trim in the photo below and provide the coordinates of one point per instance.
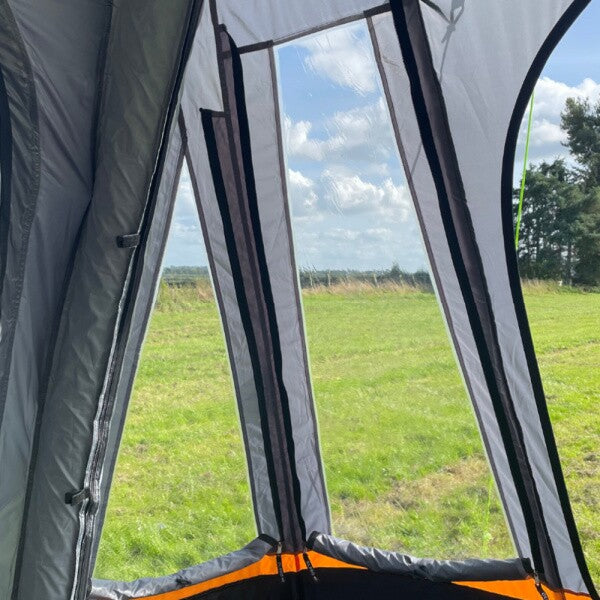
(523, 590)
(292, 563)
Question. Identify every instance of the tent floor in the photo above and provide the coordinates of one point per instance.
(343, 584)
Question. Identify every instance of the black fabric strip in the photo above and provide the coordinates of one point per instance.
(244, 131)
(255, 47)
(568, 18)
(226, 329)
(432, 261)
(437, 140)
(236, 152)
(130, 240)
(5, 177)
(238, 279)
(377, 10)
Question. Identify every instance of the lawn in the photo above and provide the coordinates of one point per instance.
(403, 458)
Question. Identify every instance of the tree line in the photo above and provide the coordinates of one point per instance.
(560, 227)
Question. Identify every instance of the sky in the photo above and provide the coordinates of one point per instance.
(350, 205)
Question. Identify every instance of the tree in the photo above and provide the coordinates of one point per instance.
(549, 225)
(581, 122)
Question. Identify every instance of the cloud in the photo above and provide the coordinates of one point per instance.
(359, 134)
(547, 137)
(350, 194)
(344, 56)
(302, 195)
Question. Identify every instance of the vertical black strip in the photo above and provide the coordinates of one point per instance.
(234, 153)
(238, 280)
(226, 328)
(244, 133)
(438, 144)
(565, 22)
(435, 272)
(5, 177)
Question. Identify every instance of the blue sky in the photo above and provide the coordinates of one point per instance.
(350, 205)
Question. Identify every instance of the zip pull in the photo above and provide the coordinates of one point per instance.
(280, 562)
(310, 567)
(538, 586)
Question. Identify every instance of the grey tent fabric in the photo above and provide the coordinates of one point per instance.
(396, 82)
(118, 590)
(18, 201)
(99, 103)
(517, 40)
(152, 252)
(68, 40)
(264, 21)
(268, 186)
(382, 561)
(54, 95)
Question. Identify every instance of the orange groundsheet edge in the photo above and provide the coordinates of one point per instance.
(292, 563)
(523, 590)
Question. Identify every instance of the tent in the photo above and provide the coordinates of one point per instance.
(100, 102)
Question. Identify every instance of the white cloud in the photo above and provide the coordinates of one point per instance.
(359, 134)
(303, 197)
(348, 194)
(547, 137)
(343, 56)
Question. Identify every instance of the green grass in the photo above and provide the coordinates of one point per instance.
(403, 458)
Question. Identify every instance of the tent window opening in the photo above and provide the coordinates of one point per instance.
(404, 462)
(180, 494)
(559, 266)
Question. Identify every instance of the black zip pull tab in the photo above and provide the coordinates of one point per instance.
(538, 586)
(279, 561)
(309, 565)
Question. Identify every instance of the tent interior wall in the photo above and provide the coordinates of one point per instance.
(101, 102)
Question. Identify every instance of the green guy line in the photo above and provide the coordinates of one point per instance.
(524, 176)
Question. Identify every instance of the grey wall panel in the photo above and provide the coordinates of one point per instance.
(145, 47)
(20, 196)
(141, 588)
(237, 346)
(153, 252)
(270, 177)
(63, 41)
(265, 20)
(499, 42)
(426, 203)
(203, 65)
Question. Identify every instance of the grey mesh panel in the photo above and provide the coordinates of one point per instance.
(141, 588)
(479, 111)
(144, 46)
(265, 20)
(196, 96)
(382, 561)
(144, 302)
(425, 197)
(63, 42)
(269, 173)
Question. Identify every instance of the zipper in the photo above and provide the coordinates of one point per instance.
(89, 508)
(538, 586)
(279, 560)
(309, 565)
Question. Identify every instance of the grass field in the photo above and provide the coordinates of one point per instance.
(403, 458)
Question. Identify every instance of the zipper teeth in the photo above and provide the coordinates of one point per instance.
(101, 425)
